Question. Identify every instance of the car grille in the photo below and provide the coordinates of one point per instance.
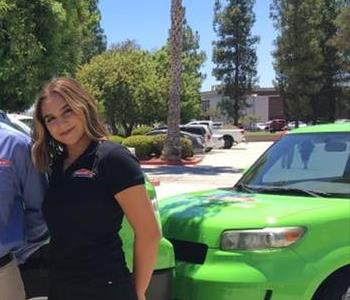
(194, 253)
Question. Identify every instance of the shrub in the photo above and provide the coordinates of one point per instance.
(158, 144)
(150, 146)
(186, 148)
(117, 139)
(141, 130)
(142, 144)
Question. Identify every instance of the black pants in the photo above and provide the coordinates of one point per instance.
(121, 288)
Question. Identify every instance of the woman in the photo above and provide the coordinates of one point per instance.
(92, 184)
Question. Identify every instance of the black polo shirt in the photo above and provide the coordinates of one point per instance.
(83, 216)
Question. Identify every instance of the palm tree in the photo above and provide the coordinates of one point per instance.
(172, 146)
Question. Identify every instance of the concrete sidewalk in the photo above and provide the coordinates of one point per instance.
(219, 168)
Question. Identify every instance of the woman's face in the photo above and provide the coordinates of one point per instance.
(64, 125)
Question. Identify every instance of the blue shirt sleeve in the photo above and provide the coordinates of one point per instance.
(32, 185)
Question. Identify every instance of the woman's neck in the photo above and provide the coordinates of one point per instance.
(78, 148)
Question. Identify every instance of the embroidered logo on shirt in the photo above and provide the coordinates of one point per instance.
(5, 162)
(86, 173)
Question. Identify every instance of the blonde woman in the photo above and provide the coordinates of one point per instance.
(93, 183)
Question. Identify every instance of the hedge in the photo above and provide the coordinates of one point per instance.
(117, 139)
(143, 145)
(147, 147)
(141, 130)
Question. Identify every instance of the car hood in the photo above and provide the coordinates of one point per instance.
(203, 216)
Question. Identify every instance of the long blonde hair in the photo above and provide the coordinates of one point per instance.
(45, 148)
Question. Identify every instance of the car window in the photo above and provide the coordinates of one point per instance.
(319, 161)
(195, 130)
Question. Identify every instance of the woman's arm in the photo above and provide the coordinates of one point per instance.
(139, 212)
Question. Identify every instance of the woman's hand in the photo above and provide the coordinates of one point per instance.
(139, 212)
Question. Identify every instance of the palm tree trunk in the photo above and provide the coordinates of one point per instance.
(172, 146)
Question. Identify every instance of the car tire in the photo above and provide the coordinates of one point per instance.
(228, 142)
(337, 287)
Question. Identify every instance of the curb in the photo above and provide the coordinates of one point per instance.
(155, 181)
(193, 161)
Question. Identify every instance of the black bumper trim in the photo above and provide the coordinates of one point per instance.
(161, 285)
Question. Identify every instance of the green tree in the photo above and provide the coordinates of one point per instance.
(324, 103)
(39, 40)
(172, 146)
(341, 40)
(125, 80)
(234, 54)
(94, 40)
(298, 55)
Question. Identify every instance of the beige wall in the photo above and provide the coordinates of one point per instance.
(259, 107)
(259, 103)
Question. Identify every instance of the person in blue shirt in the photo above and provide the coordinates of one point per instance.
(22, 227)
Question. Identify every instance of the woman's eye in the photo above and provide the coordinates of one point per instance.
(48, 120)
(67, 112)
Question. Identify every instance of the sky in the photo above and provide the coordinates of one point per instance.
(148, 22)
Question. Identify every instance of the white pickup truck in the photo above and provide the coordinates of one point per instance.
(231, 136)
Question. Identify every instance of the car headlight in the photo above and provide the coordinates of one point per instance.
(260, 239)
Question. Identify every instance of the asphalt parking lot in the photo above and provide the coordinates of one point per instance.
(220, 168)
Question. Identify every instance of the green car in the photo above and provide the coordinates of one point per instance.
(34, 271)
(281, 233)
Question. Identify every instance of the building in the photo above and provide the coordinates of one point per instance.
(264, 104)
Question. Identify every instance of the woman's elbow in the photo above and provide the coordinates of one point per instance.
(152, 234)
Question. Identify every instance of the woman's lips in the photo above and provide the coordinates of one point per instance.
(67, 131)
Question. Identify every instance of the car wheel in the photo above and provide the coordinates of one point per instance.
(337, 287)
(228, 142)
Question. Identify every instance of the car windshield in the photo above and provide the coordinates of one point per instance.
(314, 164)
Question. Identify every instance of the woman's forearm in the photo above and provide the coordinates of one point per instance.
(145, 256)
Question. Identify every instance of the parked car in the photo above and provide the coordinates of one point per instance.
(10, 127)
(28, 120)
(276, 125)
(202, 130)
(342, 121)
(18, 124)
(217, 138)
(208, 123)
(257, 126)
(217, 125)
(282, 232)
(198, 144)
(292, 124)
(226, 137)
(231, 136)
(34, 271)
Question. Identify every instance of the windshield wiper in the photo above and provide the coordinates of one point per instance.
(276, 189)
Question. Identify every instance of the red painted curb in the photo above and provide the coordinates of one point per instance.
(155, 181)
(158, 161)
